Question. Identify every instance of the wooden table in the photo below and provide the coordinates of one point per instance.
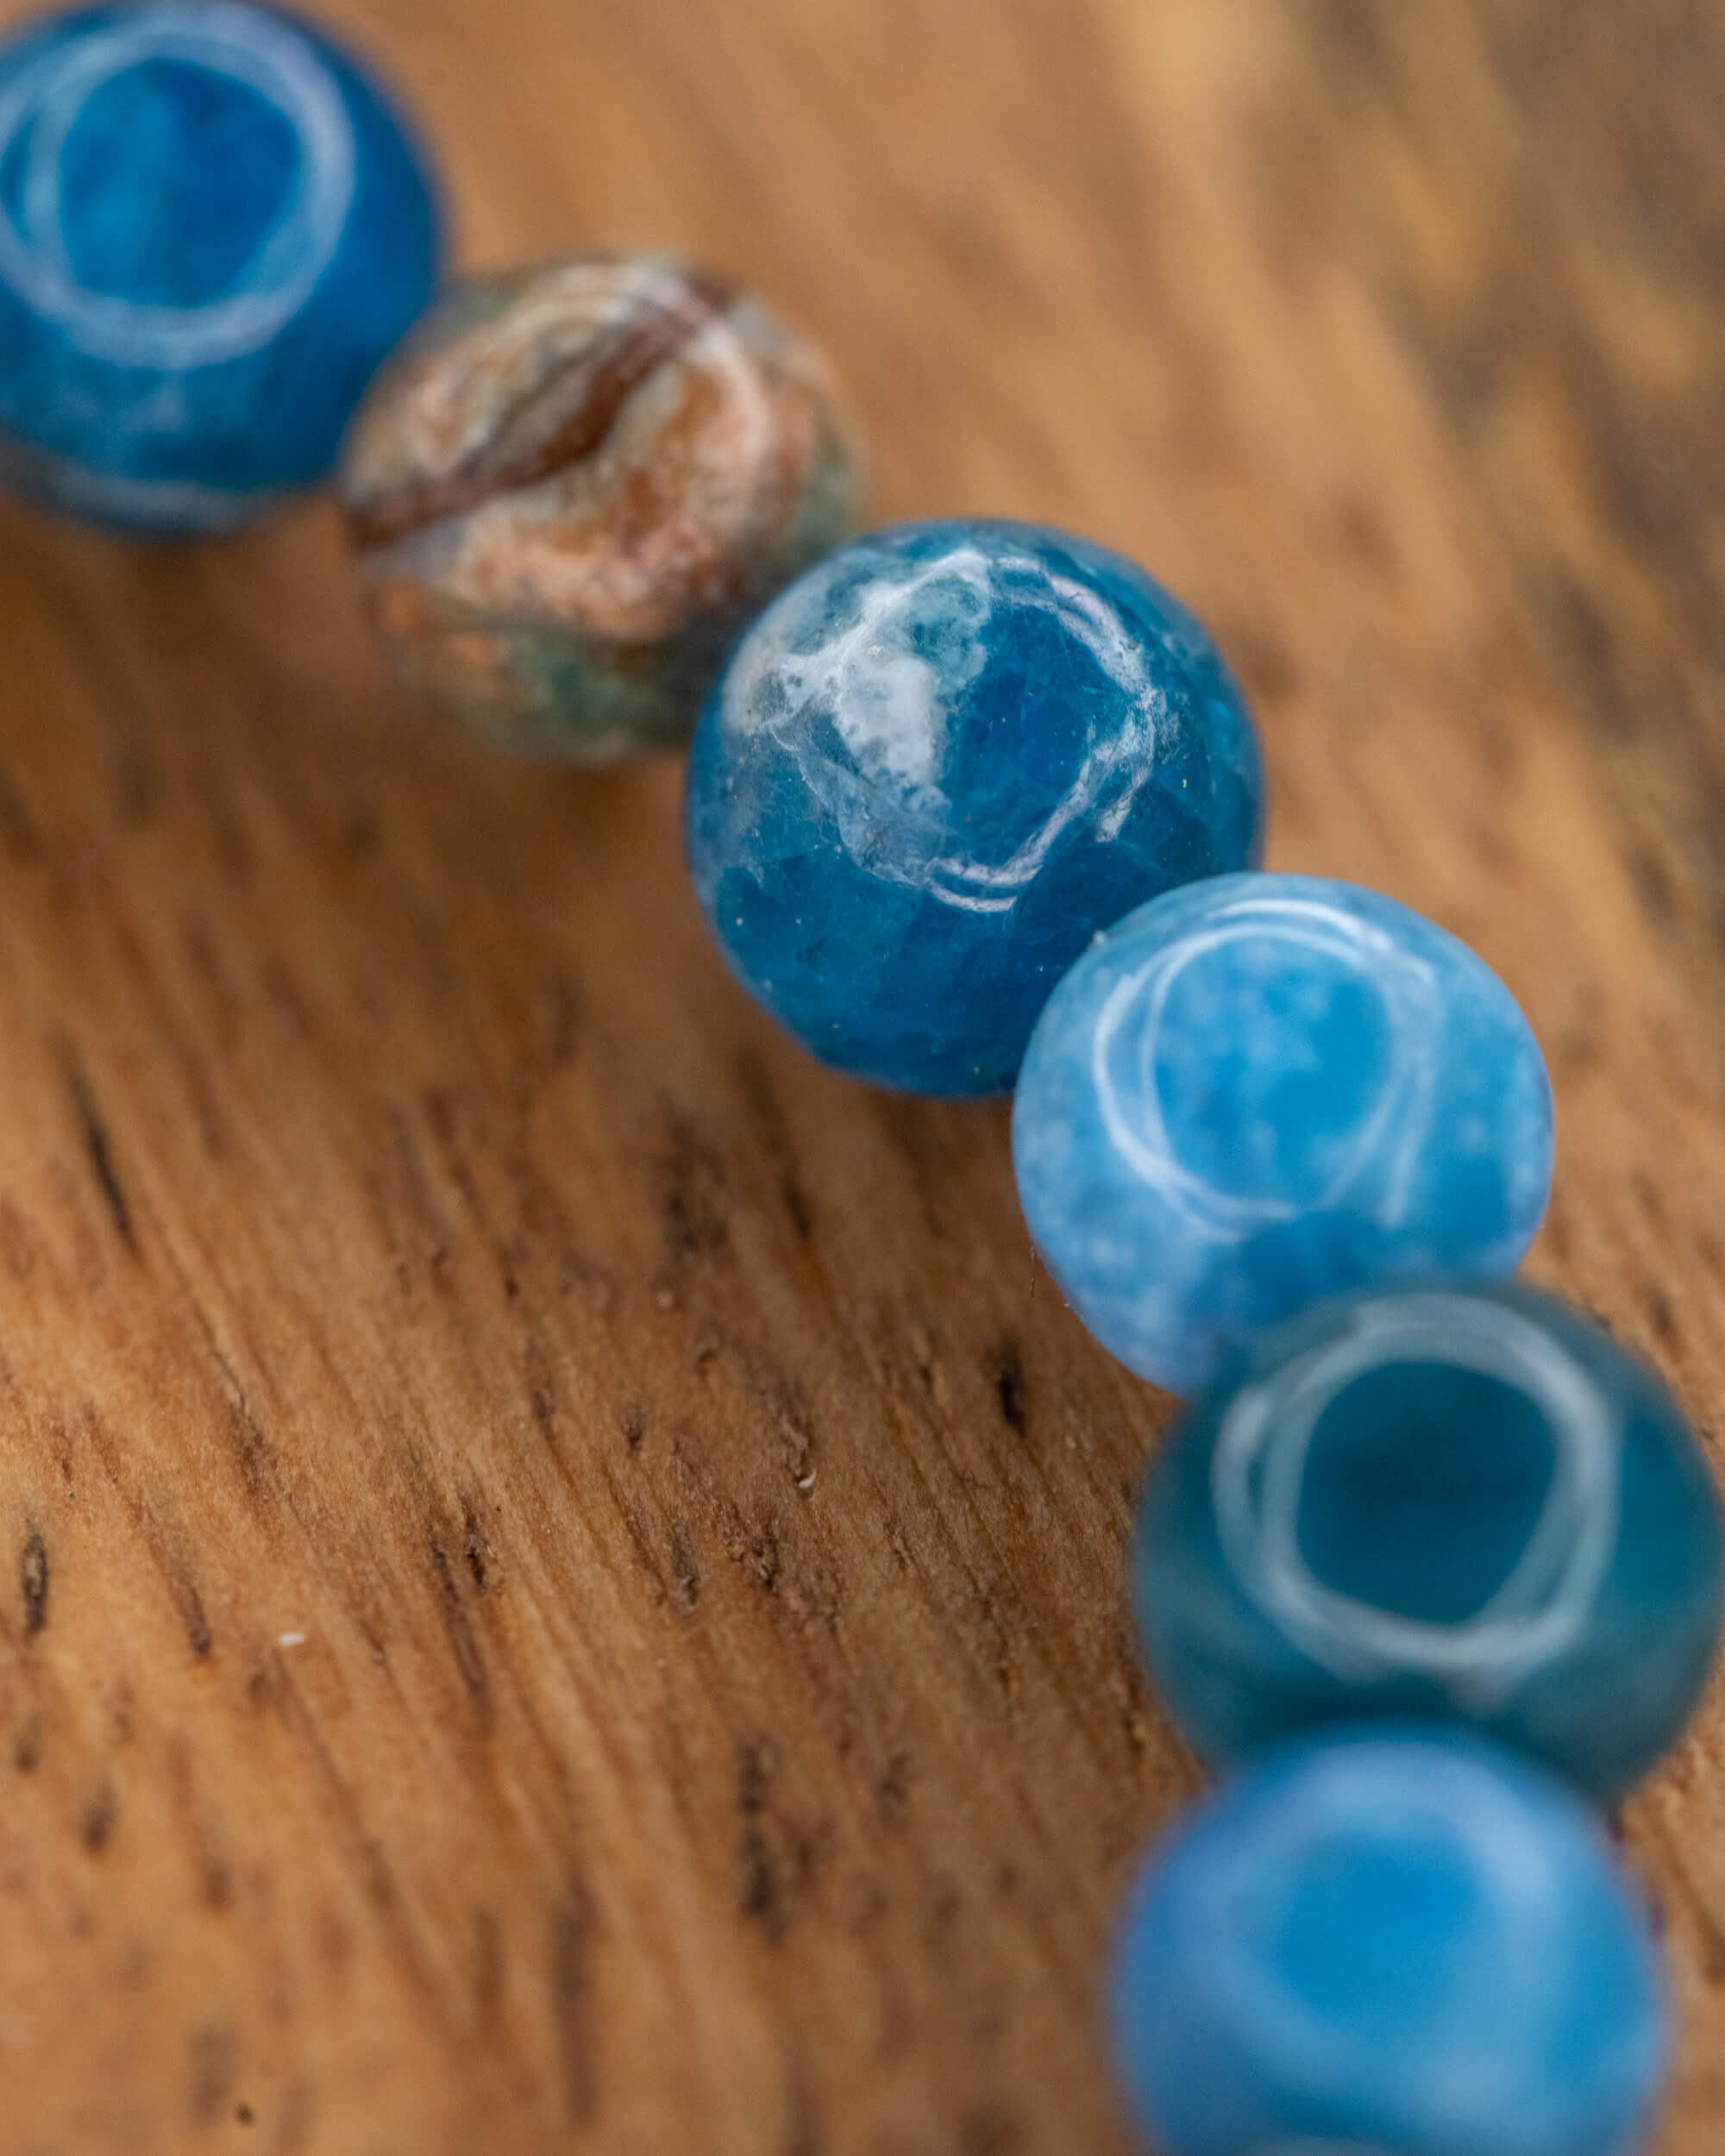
(559, 1568)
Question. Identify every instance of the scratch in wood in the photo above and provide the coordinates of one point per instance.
(893, 1789)
(32, 1582)
(685, 1572)
(757, 1761)
(542, 1384)
(97, 1146)
(96, 1827)
(476, 1548)
(758, 1897)
(1007, 1370)
(459, 1630)
(692, 1211)
(212, 2072)
(573, 1933)
(251, 1447)
(189, 1603)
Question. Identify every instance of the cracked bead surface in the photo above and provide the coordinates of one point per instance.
(935, 767)
(1458, 1503)
(1393, 1943)
(212, 229)
(1264, 1089)
(575, 485)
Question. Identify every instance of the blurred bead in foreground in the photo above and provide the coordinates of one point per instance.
(935, 767)
(1390, 1943)
(1264, 1089)
(212, 229)
(575, 484)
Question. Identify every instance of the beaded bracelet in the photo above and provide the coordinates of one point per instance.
(1428, 1566)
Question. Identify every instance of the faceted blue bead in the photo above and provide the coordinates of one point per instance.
(1263, 1089)
(934, 768)
(212, 229)
(1457, 1502)
(1392, 1943)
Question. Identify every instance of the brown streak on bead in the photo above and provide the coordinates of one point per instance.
(636, 352)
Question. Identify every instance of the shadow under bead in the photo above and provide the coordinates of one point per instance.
(575, 484)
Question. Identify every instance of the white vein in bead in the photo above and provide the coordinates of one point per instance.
(886, 702)
(43, 103)
(1258, 1474)
(1131, 1024)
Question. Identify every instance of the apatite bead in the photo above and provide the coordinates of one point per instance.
(575, 485)
(212, 229)
(1397, 1942)
(1268, 1088)
(935, 767)
(1452, 1502)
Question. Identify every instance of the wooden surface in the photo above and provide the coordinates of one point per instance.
(559, 1568)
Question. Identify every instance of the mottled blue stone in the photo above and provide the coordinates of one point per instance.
(212, 230)
(1267, 1089)
(934, 768)
(1461, 1502)
(1393, 1943)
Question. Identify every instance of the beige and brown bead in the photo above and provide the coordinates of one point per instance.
(575, 483)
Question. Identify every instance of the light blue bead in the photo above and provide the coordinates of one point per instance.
(1394, 1943)
(934, 768)
(1463, 1502)
(212, 230)
(1263, 1089)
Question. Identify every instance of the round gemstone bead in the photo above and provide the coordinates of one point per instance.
(1267, 1089)
(212, 229)
(1394, 1943)
(935, 767)
(1460, 1502)
(575, 485)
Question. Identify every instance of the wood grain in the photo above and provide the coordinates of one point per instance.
(560, 1569)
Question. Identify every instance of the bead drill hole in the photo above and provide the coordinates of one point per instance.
(169, 180)
(1452, 1464)
(1338, 1939)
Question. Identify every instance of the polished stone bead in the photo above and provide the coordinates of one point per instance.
(1458, 1501)
(212, 229)
(576, 484)
(935, 767)
(1268, 1088)
(1392, 1943)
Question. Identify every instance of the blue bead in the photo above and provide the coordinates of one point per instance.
(212, 230)
(1269, 1088)
(935, 767)
(1397, 1943)
(1457, 1502)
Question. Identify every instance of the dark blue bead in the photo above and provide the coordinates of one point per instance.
(935, 766)
(1464, 1502)
(1263, 1089)
(212, 230)
(1393, 1943)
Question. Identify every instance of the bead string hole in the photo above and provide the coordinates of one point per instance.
(1453, 1429)
(1422, 1456)
(173, 186)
